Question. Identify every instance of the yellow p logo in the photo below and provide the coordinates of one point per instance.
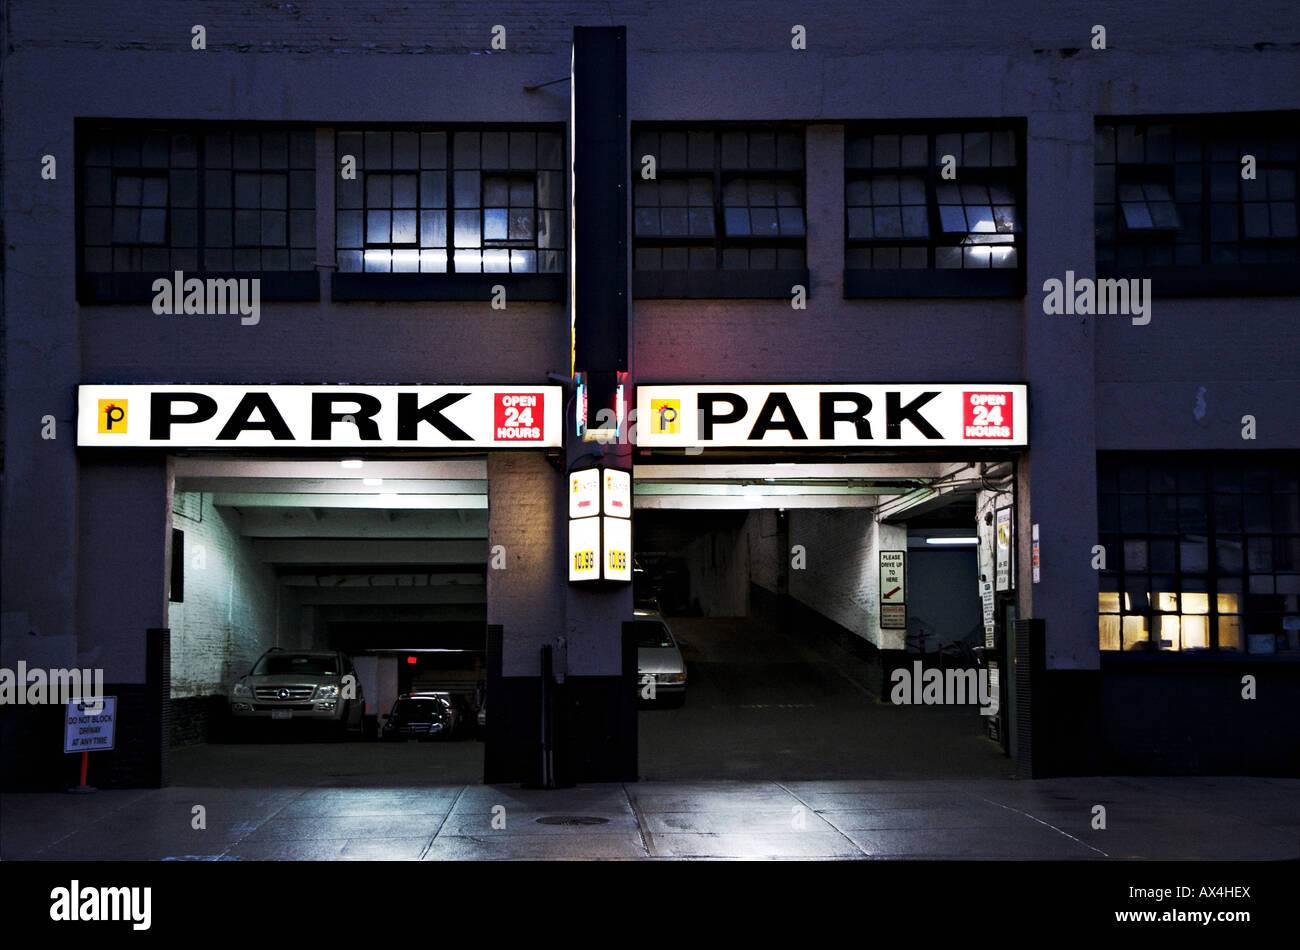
(112, 416)
(667, 413)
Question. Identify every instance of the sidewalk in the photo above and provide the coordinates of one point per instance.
(1146, 818)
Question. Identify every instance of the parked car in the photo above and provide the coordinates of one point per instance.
(315, 686)
(422, 716)
(659, 661)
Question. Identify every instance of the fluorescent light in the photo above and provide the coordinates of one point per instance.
(372, 482)
(352, 463)
(952, 540)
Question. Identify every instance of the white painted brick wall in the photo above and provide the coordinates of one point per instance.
(842, 577)
(764, 552)
(231, 614)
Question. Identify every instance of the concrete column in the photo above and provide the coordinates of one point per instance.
(38, 616)
(526, 518)
(123, 545)
(884, 537)
(1059, 480)
(824, 161)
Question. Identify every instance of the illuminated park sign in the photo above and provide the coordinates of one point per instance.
(296, 417)
(833, 415)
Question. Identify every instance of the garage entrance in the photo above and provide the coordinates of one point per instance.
(382, 561)
(770, 576)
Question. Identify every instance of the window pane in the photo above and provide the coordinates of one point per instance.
(404, 191)
(404, 231)
(762, 222)
(550, 229)
(153, 226)
(129, 190)
(348, 224)
(791, 221)
(378, 227)
(467, 189)
(522, 225)
(274, 229)
(433, 229)
(466, 147)
(154, 192)
(737, 221)
(433, 152)
(433, 189)
(379, 191)
(467, 232)
(496, 150)
(952, 218)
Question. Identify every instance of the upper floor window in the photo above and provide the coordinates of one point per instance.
(452, 201)
(723, 214)
(1199, 203)
(198, 198)
(933, 210)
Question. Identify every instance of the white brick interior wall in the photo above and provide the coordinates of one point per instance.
(234, 609)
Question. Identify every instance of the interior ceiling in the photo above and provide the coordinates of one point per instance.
(395, 532)
(385, 533)
(898, 491)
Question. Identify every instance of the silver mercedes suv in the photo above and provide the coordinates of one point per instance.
(317, 686)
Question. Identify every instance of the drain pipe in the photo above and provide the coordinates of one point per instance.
(548, 720)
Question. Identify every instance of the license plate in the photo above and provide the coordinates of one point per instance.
(281, 713)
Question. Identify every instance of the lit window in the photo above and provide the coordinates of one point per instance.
(904, 213)
(461, 201)
(1201, 556)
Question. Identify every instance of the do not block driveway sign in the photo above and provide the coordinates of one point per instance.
(89, 727)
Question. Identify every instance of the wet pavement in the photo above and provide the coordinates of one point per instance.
(1145, 818)
(783, 750)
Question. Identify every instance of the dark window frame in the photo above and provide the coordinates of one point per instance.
(931, 281)
(126, 287)
(719, 282)
(1204, 277)
(1271, 476)
(526, 286)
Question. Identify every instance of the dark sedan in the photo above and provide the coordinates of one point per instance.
(419, 717)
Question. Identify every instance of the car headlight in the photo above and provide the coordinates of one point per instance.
(326, 692)
(670, 677)
(241, 690)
